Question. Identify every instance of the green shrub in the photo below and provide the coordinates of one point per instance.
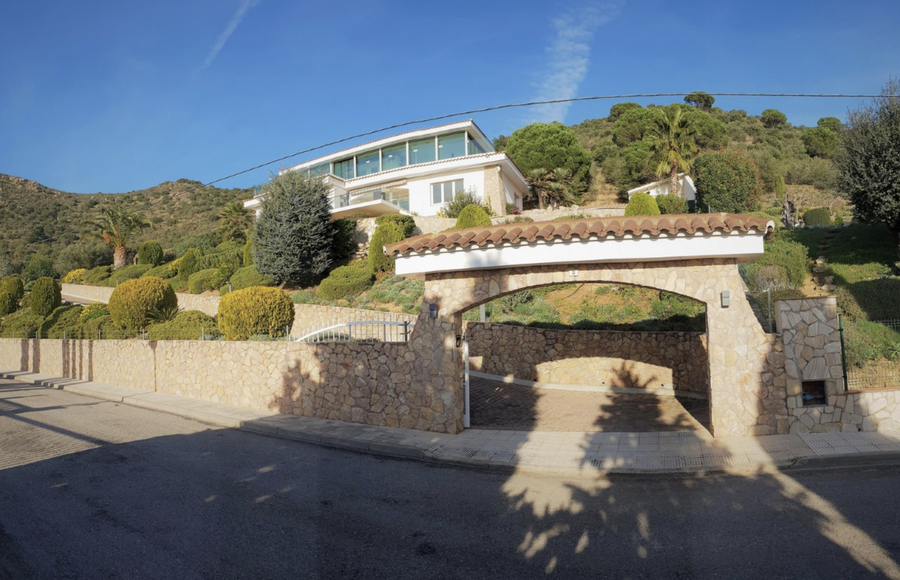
(406, 222)
(248, 253)
(98, 327)
(201, 242)
(783, 264)
(150, 252)
(397, 290)
(838, 221)
(255, 310)
(39, 266)
(248, 276)
(641, 204)
(671, 204)
(188, 263)
(12, 289)
(21, 324)
(204, 280)
(344, 244)
(162, 271)
(346, 282)
(97, 275)
(229, 256)
(46, 296)
(519, 219)
(819, 216)
(75, 276)
(63, 322)
(460, 201)
(472, 216)
(126, 273)
(386, 233)
(132, 300)
(187, 325)
(870, 300)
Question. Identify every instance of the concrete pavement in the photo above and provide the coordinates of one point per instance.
(553, 452)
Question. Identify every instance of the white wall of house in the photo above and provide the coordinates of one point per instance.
(685, 188)
(420, 201)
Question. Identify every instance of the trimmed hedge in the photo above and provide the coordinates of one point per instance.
(790, 259)
(641, 204)
(45, 296)
(247, 277)
(12, 289)
(671, 204)
(472, 216)
(132, 300)
(387, 233)
(95, 276)
(126, 273)
(150, 252)
(819, 216)
(64, 322)
(162, 271)
(188, 325)
(346, 281)
(256, 310)
(98, 327)
(407, 223)
(209, 279)
(188, 263)
(21, 324)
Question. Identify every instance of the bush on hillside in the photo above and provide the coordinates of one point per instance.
(132, 300)
(97, 275)
(188, 263)
(94, 310)
(472, 216)
(406, 222)
(519, 219)
(819, 216)
(346, 282)
(461, 200)
(783, 265)
(126, 273)
(344, 244)
(210, 279)
(21, 324)
(162, 271)
(727, 181)
(98, 327)
(74, 277)
(63, 322)
(386, 233)
(187, 325)
(12, 289)
(870, 300)
(39, 266)
(671, 204)
(248, 253)
(248, 276)
(151, 252)
(46, 296)
(641, 204)
(255, 310)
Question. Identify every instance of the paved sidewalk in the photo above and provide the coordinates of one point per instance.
(555, 452)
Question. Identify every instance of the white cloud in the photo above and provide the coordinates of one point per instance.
(235, 21)
(568, 58)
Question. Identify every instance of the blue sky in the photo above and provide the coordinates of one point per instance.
(115, 96)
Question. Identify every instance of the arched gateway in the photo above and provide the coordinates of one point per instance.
(694, 255)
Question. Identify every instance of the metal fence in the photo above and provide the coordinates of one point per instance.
(883, 371)
(361, 331)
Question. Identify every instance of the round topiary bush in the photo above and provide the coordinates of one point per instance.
(46, 296)
(386, 233)
(187, 264)
(249, 276)
(819, 216)
(346, 281)
(253, 311)
(188, 325)
(472, 216)
(132, 300)
(12, 289)
(641, 204)
(151, 253)
(203, 280)
(671, 204)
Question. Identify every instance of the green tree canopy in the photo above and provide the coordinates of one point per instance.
(869, 162)
(820, 142)
(832, 123)
(293, 235)
(550, 145)
(700, 100)
(773, 118)
(616, 110)
(726, 181)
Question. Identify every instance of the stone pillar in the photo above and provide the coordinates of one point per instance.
(493, 189)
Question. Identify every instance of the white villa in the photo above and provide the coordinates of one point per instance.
(685, 188)
(416, 173)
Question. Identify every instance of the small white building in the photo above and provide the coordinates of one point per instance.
(416, 173)
(685, 188)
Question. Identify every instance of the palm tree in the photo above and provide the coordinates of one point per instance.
(539, 179)
(559, 189)
(234, 221)
(117, 226)
(673, 145)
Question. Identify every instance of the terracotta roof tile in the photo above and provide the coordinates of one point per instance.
(579, 228)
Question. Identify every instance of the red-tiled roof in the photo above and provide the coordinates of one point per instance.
(518, 233)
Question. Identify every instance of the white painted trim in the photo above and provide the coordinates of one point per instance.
(671, 392)
(743, 246)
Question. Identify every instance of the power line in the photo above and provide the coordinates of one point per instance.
(532, 104)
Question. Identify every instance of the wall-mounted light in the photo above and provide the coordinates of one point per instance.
(726, 299)
(573, 273)
(432, 310)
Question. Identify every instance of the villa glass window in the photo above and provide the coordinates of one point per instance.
(475, 147)
(421, 151)
(367, 163)
(444, 192)
(393, 157)
(320, 169)
(450, 146)
(344, 168)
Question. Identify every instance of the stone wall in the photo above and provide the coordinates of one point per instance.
(357, 382)
(658, 361)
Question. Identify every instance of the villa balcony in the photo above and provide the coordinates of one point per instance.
(373, 202)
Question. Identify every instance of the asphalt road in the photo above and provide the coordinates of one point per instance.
(92, 489)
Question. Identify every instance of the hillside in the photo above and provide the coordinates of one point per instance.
(38, 219)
